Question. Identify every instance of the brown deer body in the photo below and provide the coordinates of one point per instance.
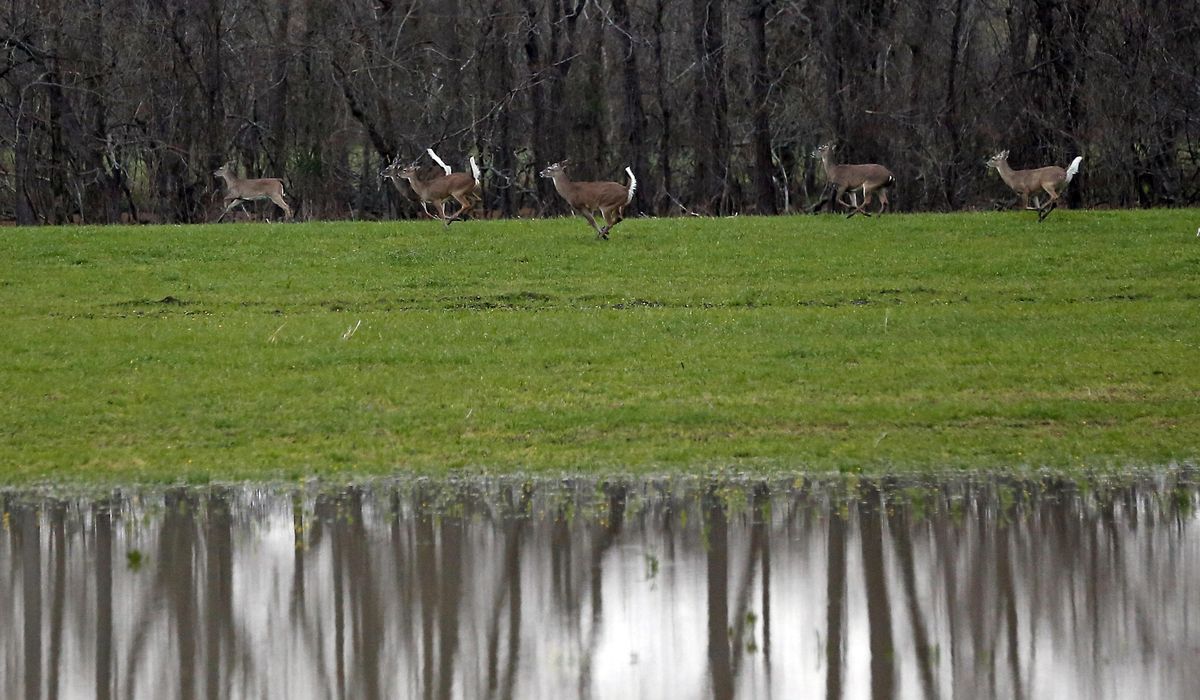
(869, 177)
(1026, 183)
(238, 190)
(463, 187)
(587, 198)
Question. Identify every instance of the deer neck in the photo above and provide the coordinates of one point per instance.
(563, 184)
(416, 184)
(1006, 173)
(830, 168)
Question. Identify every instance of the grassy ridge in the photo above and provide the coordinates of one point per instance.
(916, 342)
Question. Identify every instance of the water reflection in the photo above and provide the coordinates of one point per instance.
(688, 589)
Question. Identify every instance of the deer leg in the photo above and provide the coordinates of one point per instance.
(287, 211)
(883, 201)
(465, 205)
(229, 204)
(1050, 205)
(441, 207)
(862, 208)
(612, 217)
(867, 199)
(592, 220)
(1053, 194)
(1045, 211)
(468, 202)
(840, 197)
(603, 215)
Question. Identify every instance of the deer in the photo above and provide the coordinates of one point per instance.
(1051, 179)
(238, 190)
(587, 198)
(869, 177)
(464, 187)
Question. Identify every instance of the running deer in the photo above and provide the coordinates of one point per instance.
(870, 178)
(609, 198)
(238, 190)
(463, 187)
(1052, 180)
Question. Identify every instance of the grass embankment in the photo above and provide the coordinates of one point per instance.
(923, 342)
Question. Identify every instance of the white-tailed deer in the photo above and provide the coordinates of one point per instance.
(869, 177)
(586, 198)
(463, 187)
(1052, 180)
(238, 190)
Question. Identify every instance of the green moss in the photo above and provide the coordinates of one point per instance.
(907, 343)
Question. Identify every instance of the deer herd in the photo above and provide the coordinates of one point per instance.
(608, 200)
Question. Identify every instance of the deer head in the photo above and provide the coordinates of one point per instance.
(820, 151)
(396, 171)
(555, 168)
(409, 173)
(996, 160)
(225, 170)
(392, 171)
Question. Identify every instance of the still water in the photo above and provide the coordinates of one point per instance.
(624, 589)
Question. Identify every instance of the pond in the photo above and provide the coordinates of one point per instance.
(626, 588)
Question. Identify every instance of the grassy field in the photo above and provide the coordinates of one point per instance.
(907, 343)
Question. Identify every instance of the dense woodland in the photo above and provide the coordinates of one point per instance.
(120, 110)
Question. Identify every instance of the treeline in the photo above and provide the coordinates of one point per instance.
(122, 109)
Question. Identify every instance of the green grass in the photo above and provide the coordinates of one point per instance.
(907, 343)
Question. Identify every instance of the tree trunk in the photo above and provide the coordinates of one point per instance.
(714, 188)
(634, 116)
(279, 104)
(953, 165)
(214, 77)
(537, 71)
(662, 202)
(760, 89)
(23, 182)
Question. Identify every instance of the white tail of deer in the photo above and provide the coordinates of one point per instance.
(463, 187)
(238, 190)
(1026, 183)
(587, 198)
(437, 160)
(869, 177)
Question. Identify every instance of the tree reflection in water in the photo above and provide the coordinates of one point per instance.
(623, 588)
